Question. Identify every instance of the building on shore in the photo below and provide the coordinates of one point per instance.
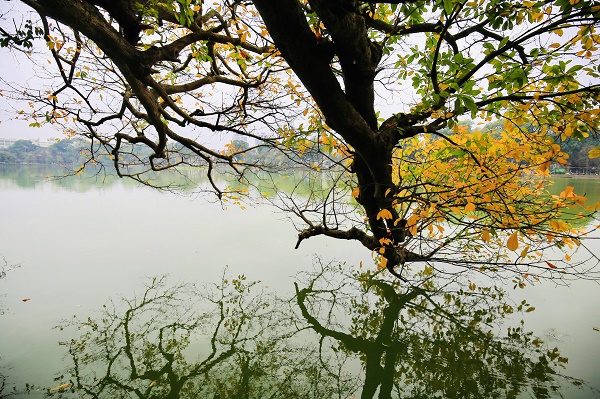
(7, 142)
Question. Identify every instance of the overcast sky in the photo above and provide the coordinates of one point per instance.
(15, 68)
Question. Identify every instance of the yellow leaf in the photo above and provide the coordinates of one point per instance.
(411, 223)
(384, 214)
(485, 236)
(525, 251)
(383, 263)
(568, 192)
(63, 386)
(595, 153)
(355, 192)
(470, 207)
(513, 241)
(555, 45)
(384, 241)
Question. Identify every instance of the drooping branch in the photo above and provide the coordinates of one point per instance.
(353, 234)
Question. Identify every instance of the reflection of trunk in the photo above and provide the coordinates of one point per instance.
(244, 391)
(387, 378)
(381, 353)
(372, 373)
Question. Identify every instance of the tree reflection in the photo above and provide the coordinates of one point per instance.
(239, 342)
(7, 388)
(436, 339)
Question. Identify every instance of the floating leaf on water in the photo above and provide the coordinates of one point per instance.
(62, 386)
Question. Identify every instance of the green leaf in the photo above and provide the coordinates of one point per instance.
(448, 6)
(470, 104)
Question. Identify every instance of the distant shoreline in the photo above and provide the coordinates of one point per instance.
(571, 176)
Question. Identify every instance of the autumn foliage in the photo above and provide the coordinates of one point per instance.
(375, 94)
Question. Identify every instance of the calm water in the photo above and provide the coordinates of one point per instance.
(78, 244)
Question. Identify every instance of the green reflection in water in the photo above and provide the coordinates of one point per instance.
(301, 183)
(225, 340)
(588, 187)
(344, 333)
(182, 180)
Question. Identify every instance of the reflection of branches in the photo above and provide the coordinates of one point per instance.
(143, 348)
(7, 390)
(5, 268)
(436, 338)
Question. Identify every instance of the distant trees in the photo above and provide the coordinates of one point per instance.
(72, 152)
(63, 152)
(578, 151)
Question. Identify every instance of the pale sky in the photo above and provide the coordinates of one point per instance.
(14, 68)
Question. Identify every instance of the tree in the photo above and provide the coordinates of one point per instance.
(229, 340)
(63, 152)
(25, 151)
(300, 75)
(224, 340)
(438, 338)
(578, 152)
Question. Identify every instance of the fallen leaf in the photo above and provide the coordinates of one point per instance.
(63, 386)
(26, 299)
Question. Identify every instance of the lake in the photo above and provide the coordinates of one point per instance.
(79, 243)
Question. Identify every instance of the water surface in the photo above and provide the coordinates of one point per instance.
(79, 242)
